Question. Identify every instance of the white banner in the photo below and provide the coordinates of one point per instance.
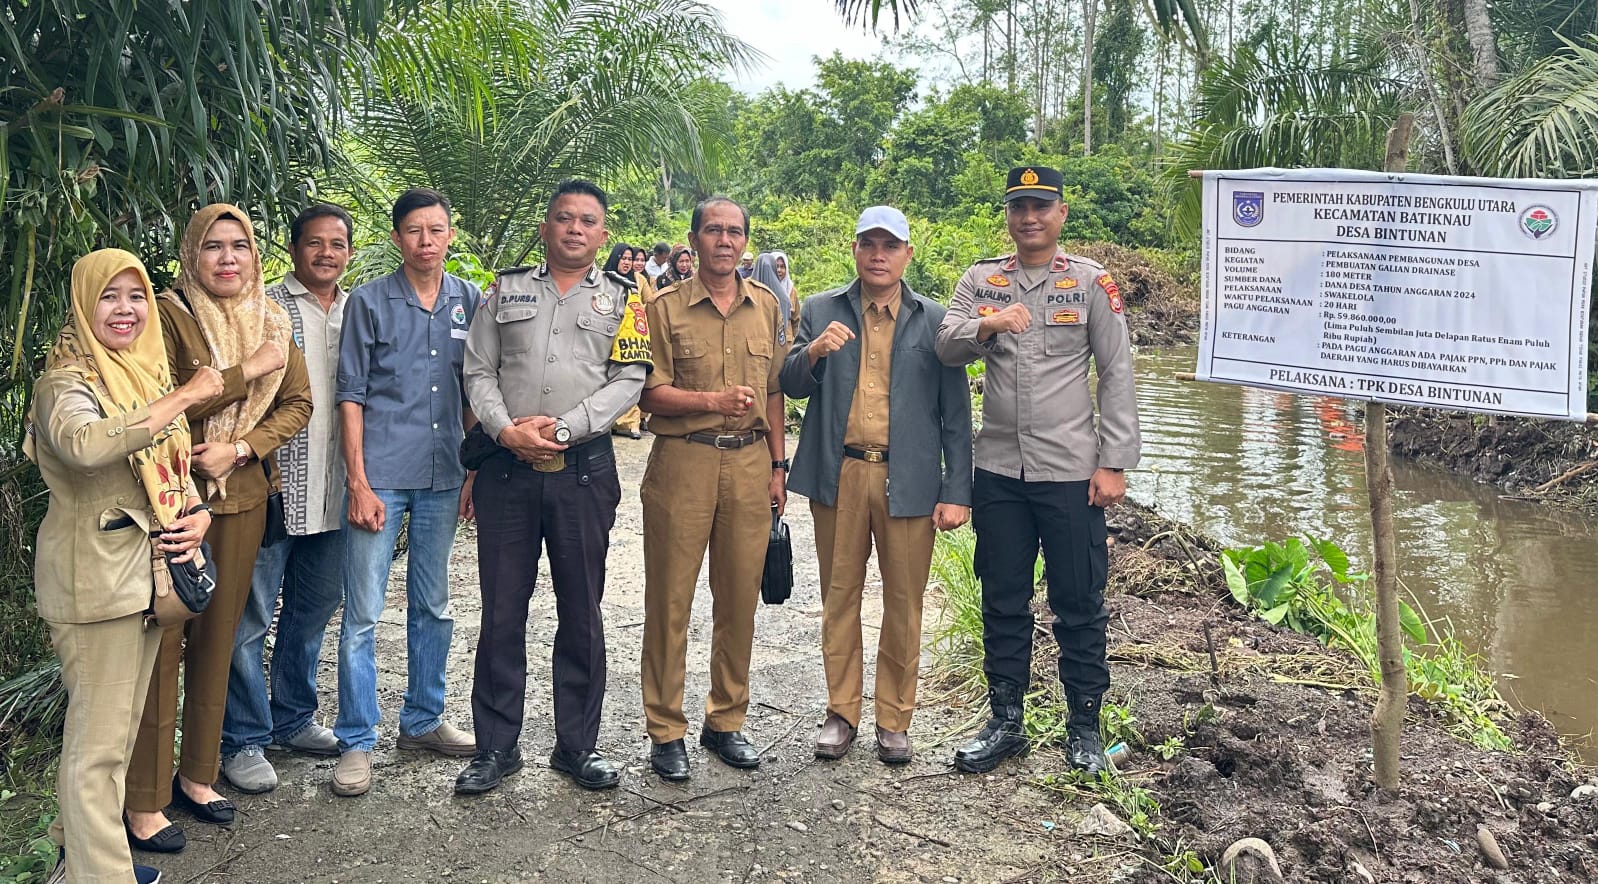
(1462, 293)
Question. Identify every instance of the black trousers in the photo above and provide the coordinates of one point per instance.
(1012, 518)
(520, 510)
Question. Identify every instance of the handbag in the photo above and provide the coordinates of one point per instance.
(277, 529)
(776, 584)
(182, 589)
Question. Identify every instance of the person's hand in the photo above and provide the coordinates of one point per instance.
(468, 512)
(830, 341)
(213, 460)
(526, 439)
(949, 516)
(184, 535)
(733, 401)
(205, 385)
(366, 510)
(779, 489)
(1107, 487)
(267, 358)
(1014, 319)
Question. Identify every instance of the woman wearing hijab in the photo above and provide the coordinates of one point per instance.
(217, 315)
(622, 263)
(785, 273)
(682, 267)
(104, 403)
(766, 274)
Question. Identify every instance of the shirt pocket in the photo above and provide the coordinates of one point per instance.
(516, 329)
(1065, 340)
(598, 332)
(689, 363)
(758, 369)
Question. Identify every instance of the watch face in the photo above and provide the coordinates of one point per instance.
(563, 435)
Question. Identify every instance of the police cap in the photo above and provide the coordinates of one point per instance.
(1037, 182)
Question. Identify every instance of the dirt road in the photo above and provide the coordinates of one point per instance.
(793, 819)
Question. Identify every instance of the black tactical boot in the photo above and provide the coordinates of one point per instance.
(1085, 748)
(1002, 737)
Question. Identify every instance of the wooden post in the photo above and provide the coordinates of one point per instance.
(1387, 722)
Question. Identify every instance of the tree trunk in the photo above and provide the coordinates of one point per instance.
(1089, 17)
(1423, 54)
(1387, 722)
(1483, 45)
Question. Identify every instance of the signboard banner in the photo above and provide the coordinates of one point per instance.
(1439, 291)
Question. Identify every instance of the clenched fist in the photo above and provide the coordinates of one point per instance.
(830, 341)
(1013, 319)
(733, 401)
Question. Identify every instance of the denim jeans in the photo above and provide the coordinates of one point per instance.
(309, 572)
(428, 625)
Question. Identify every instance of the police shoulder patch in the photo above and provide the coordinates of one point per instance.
(631, 346)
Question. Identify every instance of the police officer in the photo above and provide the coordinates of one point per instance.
(559, 353)
(1044, 472)
(716, 412)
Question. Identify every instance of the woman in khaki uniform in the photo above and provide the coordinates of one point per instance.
(111, 441)
(217, 315)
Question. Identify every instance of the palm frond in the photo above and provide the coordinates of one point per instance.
(1542, 123)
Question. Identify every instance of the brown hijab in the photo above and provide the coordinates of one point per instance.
(234, 328)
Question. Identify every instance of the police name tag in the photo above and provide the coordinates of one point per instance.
(1065, 317)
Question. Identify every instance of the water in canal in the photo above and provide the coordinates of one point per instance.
(1518, 580)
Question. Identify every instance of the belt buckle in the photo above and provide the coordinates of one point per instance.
(874, 456)
(733, 442)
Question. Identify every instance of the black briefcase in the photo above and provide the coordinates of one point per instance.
(777, 581)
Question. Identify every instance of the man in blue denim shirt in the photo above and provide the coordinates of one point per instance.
(403, 416)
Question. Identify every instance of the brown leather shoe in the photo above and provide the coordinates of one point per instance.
(835, 738)
(893, 747)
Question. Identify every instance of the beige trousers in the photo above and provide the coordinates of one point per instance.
(696, 497)
(106, 667)
(844, 536)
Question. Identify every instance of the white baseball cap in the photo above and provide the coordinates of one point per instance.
(884, 218)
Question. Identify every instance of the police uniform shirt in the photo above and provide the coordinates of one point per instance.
(1037, 414)
(696, 348)
(582, 358)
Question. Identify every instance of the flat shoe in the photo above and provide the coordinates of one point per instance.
(218, 813)
(168, 840)
(587, 769)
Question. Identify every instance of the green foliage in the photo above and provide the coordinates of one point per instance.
(1542, 123)
(957, 639)
(1302, 585)
(1116, 49)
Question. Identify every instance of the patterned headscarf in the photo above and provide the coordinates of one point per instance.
(124, 380)
(234, 327)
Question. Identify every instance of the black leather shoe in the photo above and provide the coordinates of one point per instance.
(731, 747)
(670, 760)
(1086, 750)
(1001, 738)
(218, 813)
(168, 840)
(587, 768)
(487, 770)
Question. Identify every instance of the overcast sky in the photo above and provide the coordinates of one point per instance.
(790, 33)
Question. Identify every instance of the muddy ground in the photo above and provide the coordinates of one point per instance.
(1553, 461)
(1162, 311)
(1282, 762)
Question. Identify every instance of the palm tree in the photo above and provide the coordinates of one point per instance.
(494, 101)
(1541, 123)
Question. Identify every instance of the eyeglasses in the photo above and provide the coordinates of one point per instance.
(716, 231)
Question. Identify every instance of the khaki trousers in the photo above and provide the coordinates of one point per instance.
(204, 647)
(629, 421)
(844, 535)
(106, 668)
(697, 497)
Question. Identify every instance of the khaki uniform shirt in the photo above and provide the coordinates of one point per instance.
(580, 357)
(1037, 414)
(186, 352)
(867, 426)
(696, 348)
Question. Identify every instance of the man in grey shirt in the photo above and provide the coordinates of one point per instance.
(1044, 471)
(560, 352)
(403, 414)
(307, 566)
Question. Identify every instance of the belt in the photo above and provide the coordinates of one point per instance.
(866, 454)
(726, 441)
(578, 457)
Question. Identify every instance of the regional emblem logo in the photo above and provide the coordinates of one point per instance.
(1538, 222)
(457, 315)
(1248, 208)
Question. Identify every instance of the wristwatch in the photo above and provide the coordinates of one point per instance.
(241, 454)
(1115, 469)
(563, 433)
(781, 465)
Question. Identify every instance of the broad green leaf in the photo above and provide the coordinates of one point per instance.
(1235, 581)
(1275, 615)
(1413, 626)
(1270, 592)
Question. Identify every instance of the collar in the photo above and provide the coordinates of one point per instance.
(591, 278)
(891, 309)
(298, 289)
(697, 292)
(1060, 263)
